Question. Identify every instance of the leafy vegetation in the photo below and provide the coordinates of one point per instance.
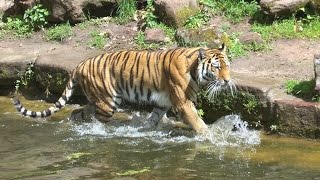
(303, 89)
(25, 76)
(126, 10)
(243, 103)
(36, 17)
(234, 10)
(98, 39)
(140, 41)
(59, 32)
(288, 29)
(33, 19)
(197, 20)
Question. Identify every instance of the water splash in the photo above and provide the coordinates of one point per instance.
(232, 131)
(221, 133)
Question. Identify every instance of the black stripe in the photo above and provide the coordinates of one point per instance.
(42, 115)
(58, 105)
(33, 114)
(192, 53)
(64, 98)
(48, 112)
(142, 83)
(24, 112)
(149, 95)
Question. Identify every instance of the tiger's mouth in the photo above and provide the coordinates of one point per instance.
(218, 85)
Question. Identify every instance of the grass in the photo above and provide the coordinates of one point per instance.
(140, 41)
(302, 89)
(97, 39)
(126, 10)
(233, 10)
(59, 32)
(288, 29)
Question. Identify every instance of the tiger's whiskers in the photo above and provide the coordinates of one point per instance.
(215, 87)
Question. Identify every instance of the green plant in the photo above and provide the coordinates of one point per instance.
(150, 18)
(36, 17)
(126, 10)
(97, 40)
(303, 89)
(140, 41)
(59, 32)
(25, 76)
(250, 104)
(18, 27)
(288, 29)
(197, 20)
(234, 10)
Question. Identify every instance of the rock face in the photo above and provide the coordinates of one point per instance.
(278, 8)
(175, 12)
(66, 10)
(317, 71)
(208, 36)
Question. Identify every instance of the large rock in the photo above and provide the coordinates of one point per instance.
(278, 8)
(317, 71)
(315, 5)
(251, 38)
(4, 5)
(208, 36)
(175, 12)
(72, 11)
(155, 36)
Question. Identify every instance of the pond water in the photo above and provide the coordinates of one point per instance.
(59, 149)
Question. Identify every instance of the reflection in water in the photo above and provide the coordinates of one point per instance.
(51, 149)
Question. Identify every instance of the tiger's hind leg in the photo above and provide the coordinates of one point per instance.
(156, 115)
(83, 114)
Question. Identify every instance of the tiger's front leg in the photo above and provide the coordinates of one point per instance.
(189, 114)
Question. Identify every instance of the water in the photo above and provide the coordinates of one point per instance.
(59, 149)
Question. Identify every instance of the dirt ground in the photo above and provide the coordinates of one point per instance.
(288, 59)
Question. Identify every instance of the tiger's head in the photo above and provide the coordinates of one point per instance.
(213, 70)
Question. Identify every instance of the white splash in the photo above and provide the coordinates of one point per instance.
(232, 131)
(221, 133)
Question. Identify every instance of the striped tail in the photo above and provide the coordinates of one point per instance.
(48, 112)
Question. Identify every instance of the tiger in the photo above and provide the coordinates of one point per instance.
(164, 79)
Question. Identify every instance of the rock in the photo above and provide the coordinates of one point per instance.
(175, 12)
(4, 5)
(155, 36)
(317, 71)
(192, 37)
(250, 38)
(278, 8)
(18, 8)
(298, 118)
(315, 5)
(72, 11)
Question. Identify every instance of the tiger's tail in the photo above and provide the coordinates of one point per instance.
(67, 93)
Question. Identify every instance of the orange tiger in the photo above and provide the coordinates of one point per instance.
(163, 78)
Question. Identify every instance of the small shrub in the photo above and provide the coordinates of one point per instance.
(18, 27)
(197, 20)
(140, 41)
(36, 17)
(302, 89)
(234, 10)
(126, 10)
(25, 76)
(97, 40)
(59, 32)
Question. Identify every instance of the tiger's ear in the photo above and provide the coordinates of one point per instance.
(223, 48)
(202, 55)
